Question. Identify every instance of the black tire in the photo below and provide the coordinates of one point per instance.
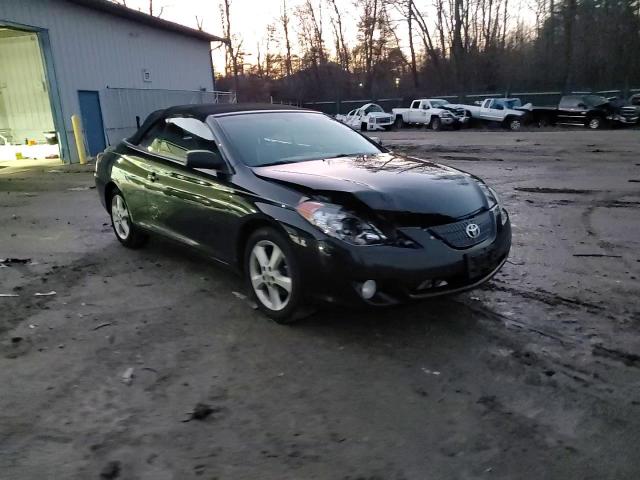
(436, 124)
(132, 237)
(399, 123)
(363, 127)
(469, 122)
(595, 123)
(513, 123)
(287, 314)
(544, 121)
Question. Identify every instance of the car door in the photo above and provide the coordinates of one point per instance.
(426, 112)
(356, 119)
(494, 110)
(486, 110)
(414, 112)
(193, 206)
(572, 110)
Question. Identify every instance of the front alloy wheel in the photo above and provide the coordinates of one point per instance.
(436, 124)
(595, 123)
(272, 274)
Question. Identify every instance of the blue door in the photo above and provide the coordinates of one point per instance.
(91, 114)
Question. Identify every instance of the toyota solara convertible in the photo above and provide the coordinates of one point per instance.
(305, 208)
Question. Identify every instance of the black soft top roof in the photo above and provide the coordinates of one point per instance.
(201, 112)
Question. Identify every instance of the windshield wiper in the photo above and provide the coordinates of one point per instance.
(343, 155)
(280, 162)
(324, 157)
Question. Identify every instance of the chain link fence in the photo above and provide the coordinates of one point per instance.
(547, 98)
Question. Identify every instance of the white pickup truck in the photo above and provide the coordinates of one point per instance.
(431, 112)
(368, 117)
(508, 111)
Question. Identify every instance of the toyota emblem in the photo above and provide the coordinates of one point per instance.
(473, 230)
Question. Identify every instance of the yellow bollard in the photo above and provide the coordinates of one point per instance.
(79, 136)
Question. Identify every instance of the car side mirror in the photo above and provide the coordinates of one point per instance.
(205, 159)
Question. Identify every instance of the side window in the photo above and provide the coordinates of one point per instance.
(174, 137)
(153, 137)
(416, 104)
(569, 102)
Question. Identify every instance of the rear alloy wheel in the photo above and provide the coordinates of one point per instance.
(436, 124)
(544, 121)
(272, 275)
(594, 123)
(126, 232)
(514, 124)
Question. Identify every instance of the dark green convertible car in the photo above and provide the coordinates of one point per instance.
(303, 207)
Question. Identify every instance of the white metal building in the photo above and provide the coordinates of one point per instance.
(100, 60)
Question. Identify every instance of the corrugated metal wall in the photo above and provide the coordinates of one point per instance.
(92, 50)
(25, 110)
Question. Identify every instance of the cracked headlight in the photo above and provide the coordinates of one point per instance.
(495, 205)
(490, 194)
(339, 223)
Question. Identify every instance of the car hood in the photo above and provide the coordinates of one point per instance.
(378, 114)
(413, 189)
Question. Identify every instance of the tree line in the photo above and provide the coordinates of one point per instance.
(400, 48)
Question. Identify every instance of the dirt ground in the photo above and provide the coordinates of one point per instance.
(536, 375)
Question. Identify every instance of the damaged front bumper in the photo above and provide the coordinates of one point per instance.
(336, 272)
(624, 120)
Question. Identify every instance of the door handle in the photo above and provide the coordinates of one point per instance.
(152, 177)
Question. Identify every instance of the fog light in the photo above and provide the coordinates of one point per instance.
(368, 289)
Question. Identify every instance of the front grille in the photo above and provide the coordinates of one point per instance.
(383, 120)
(455, 234)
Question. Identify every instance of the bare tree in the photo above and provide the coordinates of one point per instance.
(151, 10)
(342, 49)
(233, 44)
(569, 18)
(284, 21)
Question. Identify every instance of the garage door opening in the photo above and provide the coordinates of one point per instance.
(27, 132)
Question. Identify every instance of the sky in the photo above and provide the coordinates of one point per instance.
(251, 17)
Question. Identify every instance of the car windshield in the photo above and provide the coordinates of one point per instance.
(270, 138)
(438, 103)
(374, 108)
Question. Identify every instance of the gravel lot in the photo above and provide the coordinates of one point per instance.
(535, 376)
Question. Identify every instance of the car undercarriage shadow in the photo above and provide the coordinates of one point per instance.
(403, 324)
